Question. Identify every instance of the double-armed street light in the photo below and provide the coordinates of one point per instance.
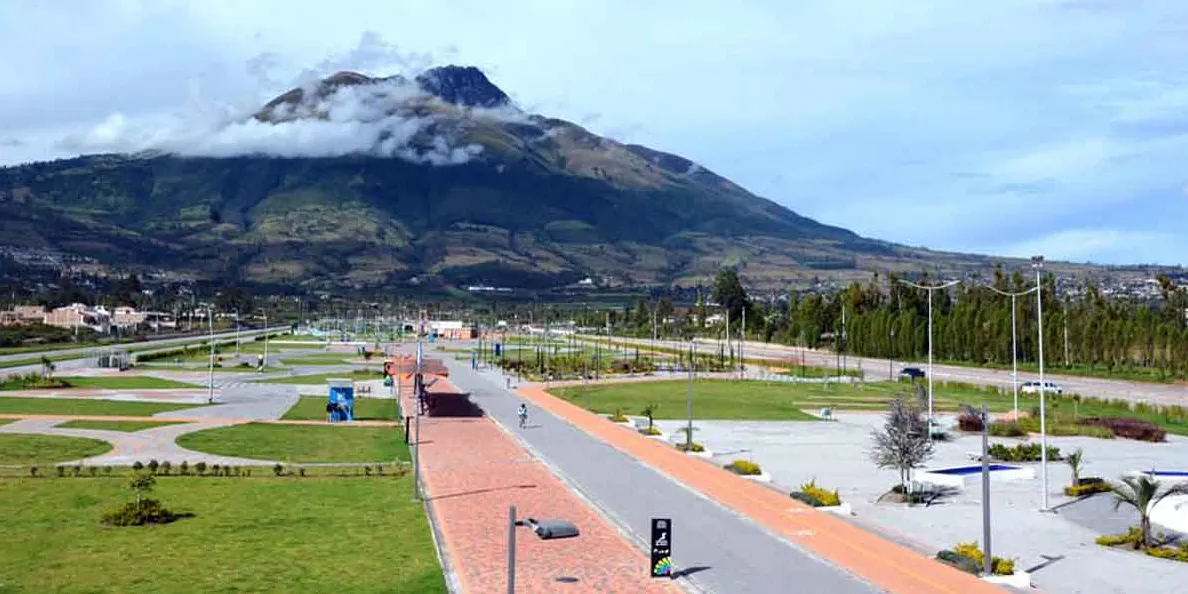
(1014, 340)
(930, 289)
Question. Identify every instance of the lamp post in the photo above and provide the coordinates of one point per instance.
(1037, 262)
(891, 360)
(930, 289)
(689, 397)
(1014, 342)
(264, 363)
(210, 378)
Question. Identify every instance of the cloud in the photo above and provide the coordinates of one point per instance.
(393, 117)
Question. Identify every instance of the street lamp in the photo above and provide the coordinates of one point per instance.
(1014, 342)
(930, 289)
(210, 378)
(1037, 262)
(891, 360)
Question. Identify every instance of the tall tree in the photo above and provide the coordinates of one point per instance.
(903, 442)
(730, 294)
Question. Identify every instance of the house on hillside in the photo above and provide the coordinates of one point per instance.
(77, 315)
(23, 314)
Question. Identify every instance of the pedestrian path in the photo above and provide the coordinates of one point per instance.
(473, 470)
(886, 565)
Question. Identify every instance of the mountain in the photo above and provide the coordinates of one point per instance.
(381, 182)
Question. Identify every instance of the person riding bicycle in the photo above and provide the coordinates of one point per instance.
(523, 414)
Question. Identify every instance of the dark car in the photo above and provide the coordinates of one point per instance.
(911, 373)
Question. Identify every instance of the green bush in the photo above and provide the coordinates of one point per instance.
(1006, 429)
(132, 513)
(744, 467)
(138, 466)
(806, 499)
(998, 565)
(153, 465)
(200, 468)
(1176, 554)
(166, 467)
(1132, 537)
(184, 468)
(61, 471)
(960, 562)
(278, 469)
(619, 417)
(1023, 452)
(1087, 489)
(650, 431)
(695, 448)
(33, 471)
(825, 496)
(107, 470)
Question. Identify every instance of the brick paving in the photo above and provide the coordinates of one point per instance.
(472, 471)
(887, 565)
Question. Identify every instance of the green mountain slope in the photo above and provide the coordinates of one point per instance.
(537, 202)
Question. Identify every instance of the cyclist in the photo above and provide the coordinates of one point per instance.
(523, 414)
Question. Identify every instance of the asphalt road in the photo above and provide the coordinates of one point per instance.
(880, 368)
(723, 552)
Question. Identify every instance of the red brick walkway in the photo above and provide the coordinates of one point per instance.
(881, 562)
(473, 471)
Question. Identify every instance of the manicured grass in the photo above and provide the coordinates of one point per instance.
(128, 426)
(256, 534)
(326, 359)
(301, 443)
(313, 408)
(85, 406)
(125, 382)
(17, 448)
(322, 377)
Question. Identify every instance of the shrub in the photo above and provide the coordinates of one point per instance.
(153, 465)
(367, 470)
(650, 431)
(998, 565)
(33, 471)
(184, 468)
(1129, 428)
(107, 470)
(301, 471)
(744, 467)
(76, 470)
(379, 468)
(132, 513)
(969, 422)
(1023, 452)
(93, 470)
(278, 469)
(61, 471)
(960, 562)
(138, 466)
(806, 498)
(1132, 537)
(1006, 429)
(214, 470)
(696, 447)
(619, 417)
(825, 496)
(200, 468)
(1083, 489)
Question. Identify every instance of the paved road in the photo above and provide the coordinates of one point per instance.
(723, 552)
(137, 345)
(879, 369)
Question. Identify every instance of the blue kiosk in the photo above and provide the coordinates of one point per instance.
(341, 404)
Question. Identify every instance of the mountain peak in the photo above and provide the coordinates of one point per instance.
(462, 85)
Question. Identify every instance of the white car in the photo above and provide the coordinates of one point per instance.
(1033, 388)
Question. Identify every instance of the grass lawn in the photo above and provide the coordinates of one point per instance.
(313, 408)
(319, 359)
(18, 448)
(300, 338)
(125, 382)
(322, 377)
(301, 443)
(85, 406)
(128, 426)
(247, 535)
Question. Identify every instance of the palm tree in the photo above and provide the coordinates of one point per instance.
(47, 367)
(649, 411)
(1143, 492)
(1075, 462)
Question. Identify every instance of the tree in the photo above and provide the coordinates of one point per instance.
(730, 294)
(1076, 462)
(47, 367)
(142, 484)
(903, 442)
(1143, 493)
(649, 411)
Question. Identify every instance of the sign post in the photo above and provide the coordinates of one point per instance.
(661, 548)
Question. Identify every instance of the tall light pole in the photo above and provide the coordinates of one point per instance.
(264, 363)
(891, 360)
(689, 397)
(1037, 262)
(1014, 342)
(210, 377)
(930, 289)
(237, 334)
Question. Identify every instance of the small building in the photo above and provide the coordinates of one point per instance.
(77, 315)
(23, 314)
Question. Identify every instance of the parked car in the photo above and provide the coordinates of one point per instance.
(911, 373)
(1033, 388)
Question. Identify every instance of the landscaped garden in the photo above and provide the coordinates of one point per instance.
(235, 534)
(86, 406)
(27, 449)
(313, 408)
(301, 443)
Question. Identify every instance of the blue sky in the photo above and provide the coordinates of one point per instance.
(1008, 127)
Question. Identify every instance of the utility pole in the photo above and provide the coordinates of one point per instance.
(986, 491)
(1037, 262)
(1066, 361)
(689, 396)
(210, 377)
(1014, 342)
(930, 289)
(264, 363)
(742, 368)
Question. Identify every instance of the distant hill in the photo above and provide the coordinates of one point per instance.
(447, 183)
